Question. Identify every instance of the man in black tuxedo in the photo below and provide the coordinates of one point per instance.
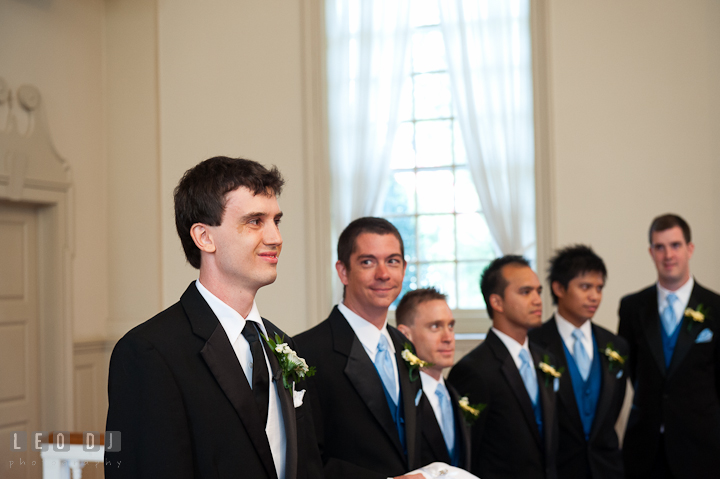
(592, 388)
(515, 435)
(364, 401)
(195, 391)
(425, 318)
(672, 329)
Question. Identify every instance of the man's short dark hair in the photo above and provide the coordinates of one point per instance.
(667, 221)
(368, 224)
(200, 196)
(571, 262)
(405, 312)
(492, 280)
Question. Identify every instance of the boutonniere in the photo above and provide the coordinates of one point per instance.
(614, 357)
(697, 315)
(292, 366)
(550, 372)
(470, 413)
(413, 362)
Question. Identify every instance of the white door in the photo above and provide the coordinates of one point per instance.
(19, 370)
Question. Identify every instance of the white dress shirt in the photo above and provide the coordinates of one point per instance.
(514, 348)
(683, 294)
(369, 337)
(233, 324)
(566, 329)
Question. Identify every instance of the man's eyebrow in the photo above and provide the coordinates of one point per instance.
(257, 214)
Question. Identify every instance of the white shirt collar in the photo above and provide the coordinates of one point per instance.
(429, 383)
(366, 332)
(683, 294)
(566, 329)
(513, 346)
(231, 321)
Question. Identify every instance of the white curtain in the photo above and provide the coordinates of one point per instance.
(489, 60)
(367, 41)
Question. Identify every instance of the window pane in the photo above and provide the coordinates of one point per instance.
(409, 282)
(406, 227)
(403, 154)
(405, 112)
(466, 197)
(436, 234)
(460, 154)
(435, 191)
(424, 12)
(434, 143)
(400, 198)
(441, 276)
(432, 96)
(474, 240)
(469, 285)
(428, 51)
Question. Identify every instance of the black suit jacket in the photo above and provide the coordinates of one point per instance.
(355, 430)
(505, 438)
(684, 399)
(433, 442)
(183, 406)
(599, 457)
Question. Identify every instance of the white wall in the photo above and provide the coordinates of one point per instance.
(635, 117)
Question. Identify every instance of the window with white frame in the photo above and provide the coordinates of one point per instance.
(395, 67)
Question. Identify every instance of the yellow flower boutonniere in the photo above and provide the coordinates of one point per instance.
(550, 372)
(414, 363)
(614, 357)
(697, 315)
(470, 413)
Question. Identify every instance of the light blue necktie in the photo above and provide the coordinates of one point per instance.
(526, 371)
(383, 363)
(669, 321)
(448, 424)
(581, 356)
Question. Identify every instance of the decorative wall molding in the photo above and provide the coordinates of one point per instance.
(34, 174)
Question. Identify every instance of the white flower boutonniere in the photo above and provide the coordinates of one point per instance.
(470, 413)
(414, 363)
(697, 315)
(292, 366)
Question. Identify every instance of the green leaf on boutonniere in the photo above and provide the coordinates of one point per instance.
(470, 412)
(413, 362)
(292, 366)
(696, 315)
(614, 357)
(548, 370)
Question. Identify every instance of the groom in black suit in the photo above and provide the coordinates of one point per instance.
(592, 388)
(195, 391)
(672, 328)
(364, 401)
(515, 380)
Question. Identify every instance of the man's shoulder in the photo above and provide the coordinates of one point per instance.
(319, 336)
(706, 294)
(605, 337)
(543, 334)
(640, 297)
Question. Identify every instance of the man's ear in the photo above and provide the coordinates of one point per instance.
(558, 289)
(202, 237)
(406, 331)
(496, 302)
(342, 272)
(691, 249)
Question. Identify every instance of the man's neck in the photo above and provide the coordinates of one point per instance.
(674, 285)
(570, 318)
(519, 334)
(434, 372)
(237, 298)
(374, 316)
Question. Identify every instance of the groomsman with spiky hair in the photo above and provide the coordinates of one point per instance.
(592, 388)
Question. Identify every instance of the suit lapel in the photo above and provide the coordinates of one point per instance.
(432, 431)
(514, 380)
(220, 357)
(363, 376)
(566, 392)
(686, 338)
(409, 392)
(547, 401)
(287, 407)
(609, 379)
(462, 431)
(653, 333)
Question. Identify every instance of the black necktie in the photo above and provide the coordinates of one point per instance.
(260, 377)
